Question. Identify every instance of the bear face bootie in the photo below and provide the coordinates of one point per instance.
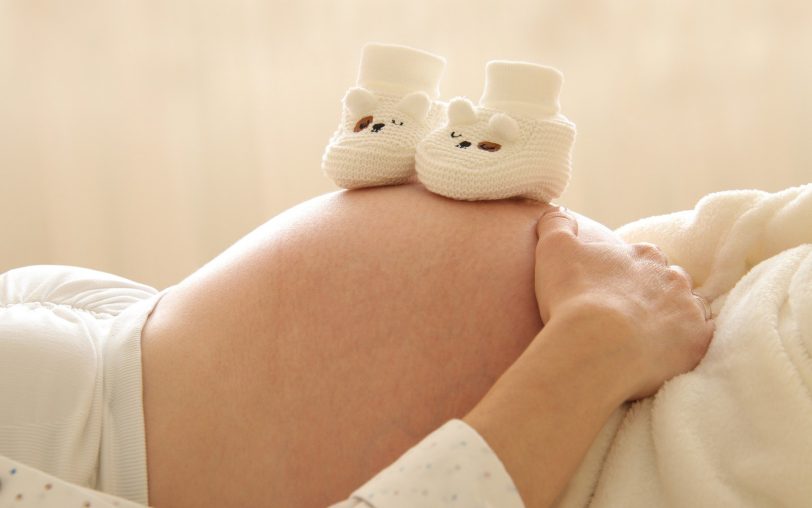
(393, 106)
(516, 143)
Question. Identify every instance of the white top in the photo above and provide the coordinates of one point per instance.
(452, 466)
(70, 375)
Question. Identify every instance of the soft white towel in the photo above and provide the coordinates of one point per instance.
(737, 430)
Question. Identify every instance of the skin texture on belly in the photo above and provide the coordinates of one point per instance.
(320, 347)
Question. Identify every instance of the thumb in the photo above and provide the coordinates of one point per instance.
(557, 222)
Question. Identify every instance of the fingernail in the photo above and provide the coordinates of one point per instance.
(562, 209)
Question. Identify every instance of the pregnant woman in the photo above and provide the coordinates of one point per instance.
(321, 347)
(325, 344)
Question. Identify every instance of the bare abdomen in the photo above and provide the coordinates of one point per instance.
(324, 344)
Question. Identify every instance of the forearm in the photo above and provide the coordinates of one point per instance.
(541, 443)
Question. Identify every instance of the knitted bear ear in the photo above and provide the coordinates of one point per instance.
(504, 127)
(359, 101)
(415, 104)
(461, 111)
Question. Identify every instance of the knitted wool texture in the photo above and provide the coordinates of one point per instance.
(383, 152)
(393, 107)
(536, 165)
(520, 149)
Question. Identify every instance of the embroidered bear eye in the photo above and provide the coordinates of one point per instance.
(396, 123)
(362, 124)
(455, 132)
(488, 146)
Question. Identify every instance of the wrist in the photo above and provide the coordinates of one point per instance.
(586, 356)
(603, 338)
(544, 412)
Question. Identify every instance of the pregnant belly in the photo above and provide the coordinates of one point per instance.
(324, 344)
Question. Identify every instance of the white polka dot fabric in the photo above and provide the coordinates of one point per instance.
(25, 487)
(453, 466)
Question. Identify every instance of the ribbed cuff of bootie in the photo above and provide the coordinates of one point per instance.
(398, 70)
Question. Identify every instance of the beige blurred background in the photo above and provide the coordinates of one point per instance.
(143, 138)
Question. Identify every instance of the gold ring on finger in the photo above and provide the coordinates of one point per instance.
(704, 303)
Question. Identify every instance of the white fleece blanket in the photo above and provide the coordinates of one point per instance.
(737, 430)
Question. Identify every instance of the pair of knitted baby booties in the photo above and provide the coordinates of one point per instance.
(514, 143)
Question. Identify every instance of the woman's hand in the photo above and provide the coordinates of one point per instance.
(619, 322)
(626, 298)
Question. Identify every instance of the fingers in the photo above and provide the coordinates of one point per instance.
(704, 340)
(651, 252)
(683, 274)
(710, 329)
(556, 225)
(677, 273)
(655, 254)
(685, 278)
(704, 305)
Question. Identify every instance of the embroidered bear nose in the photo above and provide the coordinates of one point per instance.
(377, 127)
(464, 144)
(489, 146)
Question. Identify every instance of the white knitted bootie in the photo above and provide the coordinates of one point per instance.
(393, 107)
(515, 143)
